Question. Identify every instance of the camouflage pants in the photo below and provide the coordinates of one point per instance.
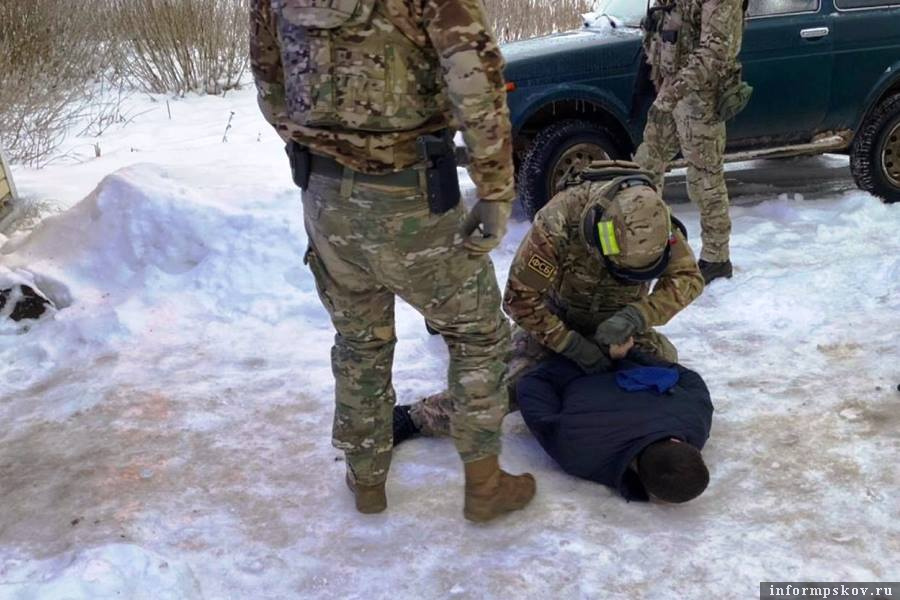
(369, 243)
(694, 129)
(432, 414)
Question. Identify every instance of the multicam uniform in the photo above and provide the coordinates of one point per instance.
(693, 55)
(559, 283)
(357, 82)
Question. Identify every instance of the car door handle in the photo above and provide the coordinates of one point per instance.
(814, 33)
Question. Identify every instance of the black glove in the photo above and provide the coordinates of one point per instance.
(619, 327)
(585, 353)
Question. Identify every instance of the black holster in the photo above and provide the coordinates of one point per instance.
(439, 153)
(299, 158)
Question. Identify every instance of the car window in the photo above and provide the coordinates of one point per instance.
(765, 8)
(849, 4)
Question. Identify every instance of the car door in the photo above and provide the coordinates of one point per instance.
(787, 58)
(867, 48)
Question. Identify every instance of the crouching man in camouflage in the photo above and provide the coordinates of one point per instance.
(692, 47)
(580, 284)
(361, 90)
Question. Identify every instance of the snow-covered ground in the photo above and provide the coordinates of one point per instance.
(166, 434)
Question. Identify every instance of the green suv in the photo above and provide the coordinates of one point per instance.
(826, 78)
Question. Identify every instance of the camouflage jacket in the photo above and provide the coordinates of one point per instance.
(470, 90)
(557, 282)
(708, 36)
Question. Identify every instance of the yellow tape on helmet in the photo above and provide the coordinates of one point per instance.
(608, 242)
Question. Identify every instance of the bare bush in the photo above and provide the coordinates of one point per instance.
(520, 19)
(50, 56)
(182, 45)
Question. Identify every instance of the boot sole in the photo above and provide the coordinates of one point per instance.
(364, 509)
(483, 516)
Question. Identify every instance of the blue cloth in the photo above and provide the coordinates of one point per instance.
(647, 378)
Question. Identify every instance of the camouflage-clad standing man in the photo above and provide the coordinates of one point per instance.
(580, 283)
(692, 47)
(352, 86)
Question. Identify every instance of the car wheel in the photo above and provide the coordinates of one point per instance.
(875, 155)
(557, 153)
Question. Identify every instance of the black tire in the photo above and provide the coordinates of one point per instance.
(549, 148)
(875, 154)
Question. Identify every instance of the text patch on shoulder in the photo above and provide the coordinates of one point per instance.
(542, 266)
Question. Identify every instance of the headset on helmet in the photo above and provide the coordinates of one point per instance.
(601, 233)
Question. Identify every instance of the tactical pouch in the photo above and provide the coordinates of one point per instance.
(347, 65)
(299, 158)
(668, 49)
(439, 155)
(324, 14)
(734, 97)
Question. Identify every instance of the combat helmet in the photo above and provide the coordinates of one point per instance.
(627, 221)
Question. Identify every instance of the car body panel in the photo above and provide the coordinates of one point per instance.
(791, 79)
(595, 67)
(805, 87)
(867, 61)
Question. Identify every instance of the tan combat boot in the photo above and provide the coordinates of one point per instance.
(370, 499)
(491, 492)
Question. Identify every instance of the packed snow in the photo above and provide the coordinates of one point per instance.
(166, 432)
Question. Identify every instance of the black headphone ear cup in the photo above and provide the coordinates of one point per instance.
(593, 233)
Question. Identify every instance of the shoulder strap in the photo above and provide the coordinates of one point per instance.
(616, 172)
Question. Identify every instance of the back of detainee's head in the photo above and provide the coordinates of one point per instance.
(673, 471)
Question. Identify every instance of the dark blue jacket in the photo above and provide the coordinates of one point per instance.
(594, 429)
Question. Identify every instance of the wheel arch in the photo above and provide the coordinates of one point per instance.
(578, 102)
(888, 85)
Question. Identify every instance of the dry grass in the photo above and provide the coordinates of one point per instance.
(179, 46)
(63, 63)
(520, 19)
(50, 57)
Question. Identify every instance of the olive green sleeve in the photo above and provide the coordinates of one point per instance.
(678, 286)
(473, 73)
(534, 273)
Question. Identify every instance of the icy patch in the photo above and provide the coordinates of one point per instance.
(105, 573)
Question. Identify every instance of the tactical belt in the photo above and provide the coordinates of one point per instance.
(328, 167)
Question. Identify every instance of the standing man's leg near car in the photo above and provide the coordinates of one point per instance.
(693, 129)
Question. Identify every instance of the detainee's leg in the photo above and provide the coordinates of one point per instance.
(703, 146)
(660, 145)
(431, 415)
(362, 311)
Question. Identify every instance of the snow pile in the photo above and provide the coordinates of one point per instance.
(166, 432)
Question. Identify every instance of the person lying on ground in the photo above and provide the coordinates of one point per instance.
(637, 429)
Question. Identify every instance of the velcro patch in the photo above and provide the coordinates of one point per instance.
(542, 267)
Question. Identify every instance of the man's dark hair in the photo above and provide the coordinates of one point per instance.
(673, 471)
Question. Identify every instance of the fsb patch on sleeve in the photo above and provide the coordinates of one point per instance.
(542, 266)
